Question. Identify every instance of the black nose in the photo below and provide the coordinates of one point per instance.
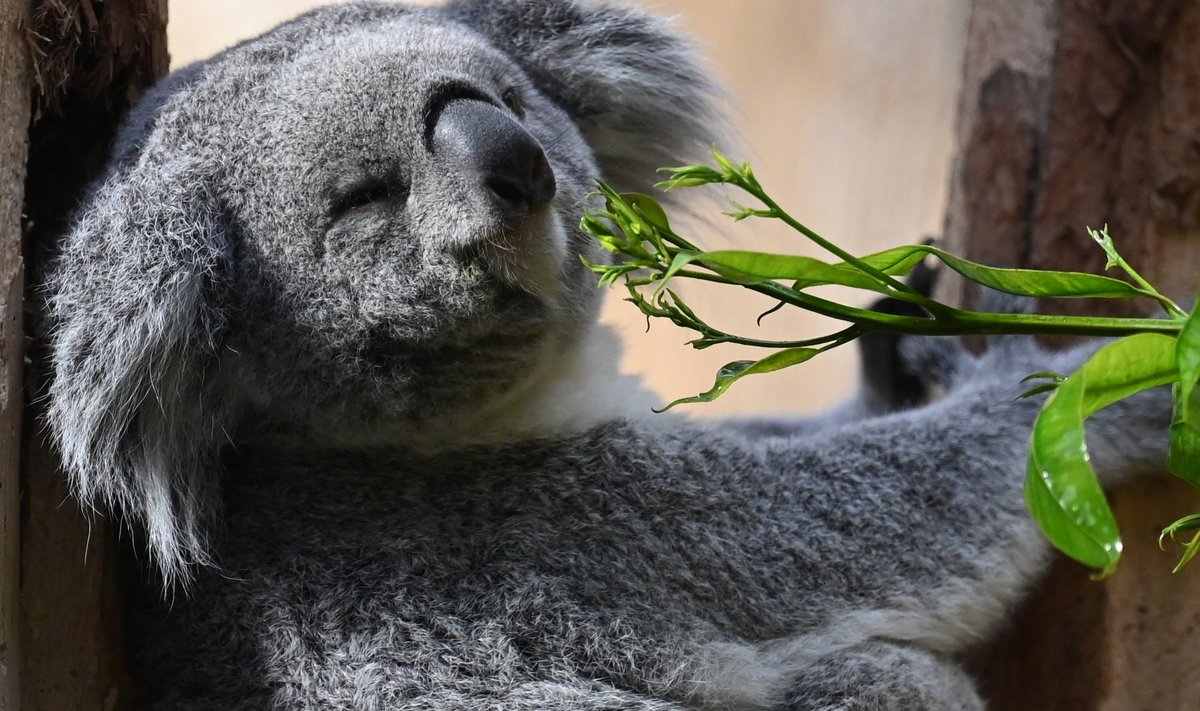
(497, 153)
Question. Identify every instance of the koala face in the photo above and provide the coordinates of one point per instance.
(406, 206)
(362, 223)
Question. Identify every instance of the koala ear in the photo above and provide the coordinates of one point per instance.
(135, 316)
(638, 90)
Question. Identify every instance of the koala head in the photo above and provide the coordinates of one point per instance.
(366, 218)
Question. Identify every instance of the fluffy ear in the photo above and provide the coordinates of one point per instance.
(636, 87)
(135, 318)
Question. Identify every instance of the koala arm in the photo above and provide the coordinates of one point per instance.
(911, 526)
(851, 410)
(880, 675)
(556, 695)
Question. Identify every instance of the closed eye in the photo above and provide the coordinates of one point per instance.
(359, 196)
(511, 99)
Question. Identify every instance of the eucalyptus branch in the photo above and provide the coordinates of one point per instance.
(1151, 352)
(743, 177)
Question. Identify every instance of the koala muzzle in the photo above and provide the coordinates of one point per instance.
(495, 151)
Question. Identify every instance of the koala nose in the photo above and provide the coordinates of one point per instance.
(506, 160)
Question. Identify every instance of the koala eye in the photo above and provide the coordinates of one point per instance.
(512, 100)
(362, 195)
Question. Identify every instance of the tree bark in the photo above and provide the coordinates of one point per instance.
(14, 118)
(1077, 113)
(90, 60)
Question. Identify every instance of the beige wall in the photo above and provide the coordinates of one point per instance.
(845, 108)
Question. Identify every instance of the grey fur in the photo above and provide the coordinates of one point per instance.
(286, 396)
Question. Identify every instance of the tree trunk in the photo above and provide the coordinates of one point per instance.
(90, 60)
(1077, 113)
(14, 117)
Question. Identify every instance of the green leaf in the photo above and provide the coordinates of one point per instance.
(630, 221)
(1183, 456)
(1187, 355)
(649, 208)
(681, 260)
(742, 266)
(639, 217)
(1188, 523)
(1127, 366)
(1037, 282)
(741, 212)
(749, 268)
(1054, 379)
(732, 372)
(686, 176)
(726, 164)
(899, 261)
(1061, 489)
(746, 267)
(1038, 390)
(1057, 377)
(1189, 551)
(674, 300)
(1103, 239)
(1192, 547)
(602, 232)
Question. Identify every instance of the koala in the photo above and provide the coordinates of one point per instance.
(321, 338)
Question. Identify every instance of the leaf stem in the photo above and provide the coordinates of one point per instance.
(955, 322)
(1115, 259)
(840, 337)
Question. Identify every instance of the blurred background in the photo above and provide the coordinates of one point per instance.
(846, 110)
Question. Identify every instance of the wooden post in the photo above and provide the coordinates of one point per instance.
(90, 60)
(14, 120)
(1077, 113)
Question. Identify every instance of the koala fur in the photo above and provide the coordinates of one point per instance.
(368, 435)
